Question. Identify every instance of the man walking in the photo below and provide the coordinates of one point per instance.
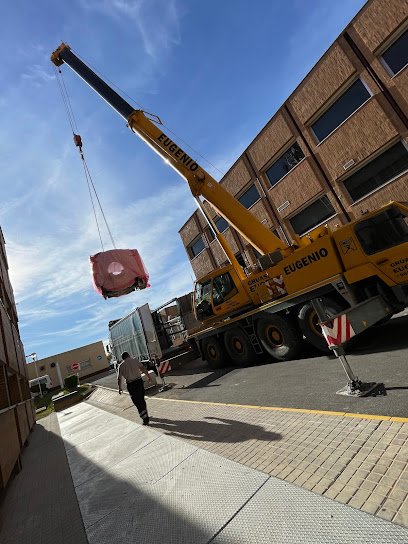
(130, 369)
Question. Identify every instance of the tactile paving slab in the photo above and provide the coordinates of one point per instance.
(81, 429)
(189, 504)
(115, 485)
(169, 491)
(95, 454)
(282, 513)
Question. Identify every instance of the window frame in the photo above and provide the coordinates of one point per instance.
(193, 243)
(320, 114)
(378, 249)
(304, 208)
(396, 37)
(215, 222)
(366, 163)
(208, 235)
(214, 286)
(277, 159)
(245, 191)
(237, 255)
(209, 282)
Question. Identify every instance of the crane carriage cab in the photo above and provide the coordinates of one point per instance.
(219, 293)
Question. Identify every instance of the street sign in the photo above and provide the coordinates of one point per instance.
(99, 357)
(75, 366)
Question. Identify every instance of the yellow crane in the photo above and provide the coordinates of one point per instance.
(360, 269)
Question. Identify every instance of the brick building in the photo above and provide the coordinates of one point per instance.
(17, 415)
(337, 147)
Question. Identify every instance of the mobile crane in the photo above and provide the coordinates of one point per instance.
(359, 270)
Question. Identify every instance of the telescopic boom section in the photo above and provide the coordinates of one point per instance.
(147, 126)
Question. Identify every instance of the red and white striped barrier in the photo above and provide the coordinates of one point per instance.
(280, 285)
(164, 367)
(340, 331)
(277, 287)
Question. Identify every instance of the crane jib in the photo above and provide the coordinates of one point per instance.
(177, 152)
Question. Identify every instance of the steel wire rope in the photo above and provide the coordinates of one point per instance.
(143, 109)
(88, 177)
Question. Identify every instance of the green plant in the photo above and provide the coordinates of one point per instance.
(71, 382)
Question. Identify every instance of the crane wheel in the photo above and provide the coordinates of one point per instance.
(239, 347)
(214, 352)
(279, 336)
(309, 323)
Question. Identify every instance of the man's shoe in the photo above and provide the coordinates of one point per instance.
(146, 421)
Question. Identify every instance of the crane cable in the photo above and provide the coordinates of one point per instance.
(123, 93)
(78, 143)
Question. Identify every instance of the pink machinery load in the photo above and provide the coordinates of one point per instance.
(118, 272)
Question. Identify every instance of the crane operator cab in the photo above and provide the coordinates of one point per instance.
(379, 239)
(218, 293)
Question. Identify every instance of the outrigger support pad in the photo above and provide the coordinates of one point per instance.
(354, 387)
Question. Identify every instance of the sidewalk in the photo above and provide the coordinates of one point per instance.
(355, 460)
(140, 484)
(40, 504)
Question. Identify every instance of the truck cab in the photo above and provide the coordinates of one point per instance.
(376, 246)
(220, 292)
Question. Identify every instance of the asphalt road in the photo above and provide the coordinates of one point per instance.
(379, 355)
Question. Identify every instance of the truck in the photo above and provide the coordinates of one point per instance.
(155, 335)
(358, 271)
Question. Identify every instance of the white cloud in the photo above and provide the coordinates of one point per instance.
(37, 75)
(51, 274)
(158, 33)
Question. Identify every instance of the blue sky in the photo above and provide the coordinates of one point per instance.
(214, 71)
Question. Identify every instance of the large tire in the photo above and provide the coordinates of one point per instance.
(214, 352)
(239, 347)
(279, 336)
(308, 323)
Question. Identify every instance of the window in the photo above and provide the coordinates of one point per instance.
(249, 197)
(396, 56)
(284, 164)
(344, 106)
(197, 247)
(210, 235)
(385, 230)
(378, 172)
(203, 300)
(275, 232)
(224, 288)
(221, 224)
(240, 259)
(256, 253)
(312, 216)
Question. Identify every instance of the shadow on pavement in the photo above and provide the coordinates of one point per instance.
(391, 336)
(111, 509)
(227, 430)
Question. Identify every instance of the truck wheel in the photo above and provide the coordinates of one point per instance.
(214, 352)
(239, 346)
(308, 323)
(279, 337)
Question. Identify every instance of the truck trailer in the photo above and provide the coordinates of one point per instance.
(155, 335)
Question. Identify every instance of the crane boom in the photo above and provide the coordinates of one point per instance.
(147, 127)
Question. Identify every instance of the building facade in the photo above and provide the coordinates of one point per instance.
(84, 361)
(17, 413)
(336, 148)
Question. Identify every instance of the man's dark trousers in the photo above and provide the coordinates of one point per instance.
(137, 393)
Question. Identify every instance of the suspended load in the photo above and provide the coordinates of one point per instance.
(118, 272)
